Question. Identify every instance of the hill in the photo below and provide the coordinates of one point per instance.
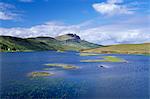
(73, 41)
(123, 49)
(8, 43)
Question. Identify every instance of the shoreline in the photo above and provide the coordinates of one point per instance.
(147, 54)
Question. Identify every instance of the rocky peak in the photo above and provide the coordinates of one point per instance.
(68, 36)
(74, 36)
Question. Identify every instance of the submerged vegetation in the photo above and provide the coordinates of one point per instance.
(44, 73)
(64, 66)
(60, 51)
(113, 59)
(40, 74)
(106, 59)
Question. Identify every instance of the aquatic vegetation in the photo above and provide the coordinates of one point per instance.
(40, 74)
(61, 51)
(106, 59)
(64, 66)
(113, 59)
(88, 54)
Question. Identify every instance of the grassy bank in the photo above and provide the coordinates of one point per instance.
(122, 49)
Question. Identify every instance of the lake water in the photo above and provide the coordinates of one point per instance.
(117, 81)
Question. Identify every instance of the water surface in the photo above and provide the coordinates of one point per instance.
(116, 81)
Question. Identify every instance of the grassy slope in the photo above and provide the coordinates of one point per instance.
(73, 42)
(66, 44)
(50, 42)
(79, 45)
(123, 48)
(19, 44)
(8, 43)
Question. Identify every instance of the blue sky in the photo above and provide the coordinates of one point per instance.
(98, 21)
(40, 11)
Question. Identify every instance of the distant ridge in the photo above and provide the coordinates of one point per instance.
(64, 42)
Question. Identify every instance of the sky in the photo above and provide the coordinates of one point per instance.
(103, 22)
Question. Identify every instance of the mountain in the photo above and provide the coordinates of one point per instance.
(122, 49)
(64, 42)
(68, 37)
(73, 41)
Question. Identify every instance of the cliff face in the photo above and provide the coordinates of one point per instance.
(68, 37)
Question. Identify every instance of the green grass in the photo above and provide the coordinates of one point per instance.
(15, 44)
(106, 59)
(40, 74)
(122, 49)
(64, 66)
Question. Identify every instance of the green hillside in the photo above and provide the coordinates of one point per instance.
(73, 41)
(123, 49)
(8, 43)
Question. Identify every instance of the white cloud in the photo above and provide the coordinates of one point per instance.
(112, 7)
(6, 16)
(105, 35)
(47, 29)
(6, 12)
(127, 31)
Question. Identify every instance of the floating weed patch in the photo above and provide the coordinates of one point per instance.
(64, 66)
(40, 74)
(106, 59)
(61, 51)
(88, 54)
(113, 59)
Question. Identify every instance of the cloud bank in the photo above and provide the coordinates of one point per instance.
(128, 31)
